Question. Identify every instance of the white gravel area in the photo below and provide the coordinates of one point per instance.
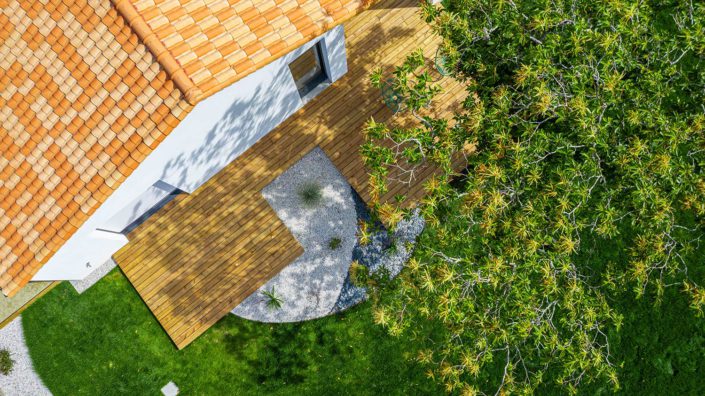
(22, 381)
(93, 278)
(309, 287)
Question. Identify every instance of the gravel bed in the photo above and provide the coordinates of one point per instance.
(93, 278)
(318, 283)
(22, 380)
(309, 287)
(377, 255)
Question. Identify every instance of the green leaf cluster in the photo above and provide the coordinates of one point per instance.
(583, 120)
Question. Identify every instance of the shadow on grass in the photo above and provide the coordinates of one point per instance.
(106, 342)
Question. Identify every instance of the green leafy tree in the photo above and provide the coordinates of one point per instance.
(583, 120)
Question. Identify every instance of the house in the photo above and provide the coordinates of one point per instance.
(143, 130)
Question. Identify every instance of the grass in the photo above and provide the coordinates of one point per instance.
(659, 349)
(106, 342)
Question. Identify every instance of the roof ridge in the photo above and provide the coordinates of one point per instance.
(165, 58)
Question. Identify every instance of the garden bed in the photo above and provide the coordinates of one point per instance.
(324, 213)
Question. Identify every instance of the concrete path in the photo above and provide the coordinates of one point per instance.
(93, 278)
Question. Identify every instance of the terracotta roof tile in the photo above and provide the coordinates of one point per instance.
(89, 89)
(193, 38)
(66, 109)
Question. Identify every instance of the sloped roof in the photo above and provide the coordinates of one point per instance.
(209, 44)
(82, 103)
(88, 88)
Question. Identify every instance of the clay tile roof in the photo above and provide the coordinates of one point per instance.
(207, 45)
(81, 81)
(71, 74)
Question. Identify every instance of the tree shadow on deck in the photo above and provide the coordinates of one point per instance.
(189, 275)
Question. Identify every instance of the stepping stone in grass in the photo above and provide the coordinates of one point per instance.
(170, 389)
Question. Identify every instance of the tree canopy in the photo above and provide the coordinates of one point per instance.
(583, 121)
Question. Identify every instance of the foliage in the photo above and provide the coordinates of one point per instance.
(406, 148)
(584, 120)
(310, 194)
(6, 362)
(106, 342)
(359, 274)
(365, 232)
(334, 243)
(411, 93)
(273, 300)
(659, 346)
(392, 246)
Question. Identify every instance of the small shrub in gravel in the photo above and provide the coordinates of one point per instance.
(359, 274)
(273, 301)
(334, 243)
(364, 233)
(310, 194)
(392, 247)
(6, 362)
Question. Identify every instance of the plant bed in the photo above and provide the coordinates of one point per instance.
(316, 204)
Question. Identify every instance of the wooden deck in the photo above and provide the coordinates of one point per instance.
(201, 255)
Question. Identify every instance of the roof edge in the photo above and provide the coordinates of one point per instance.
(187, 87)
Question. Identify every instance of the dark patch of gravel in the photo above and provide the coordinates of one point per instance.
(376, 254)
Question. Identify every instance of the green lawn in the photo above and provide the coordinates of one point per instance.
(106, 342)
(660, 349)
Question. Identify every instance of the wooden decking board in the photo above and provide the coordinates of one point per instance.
(184, 323)
(207, 277)
(207, 273)
(179, 290)
(258, 277)
(165, 311)
(211, 241)
(200, 248)
(215, 207)
(226, 218)
(237, 289)
(201, 255)
(193, 327)
(255, 272)
(153, 252)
